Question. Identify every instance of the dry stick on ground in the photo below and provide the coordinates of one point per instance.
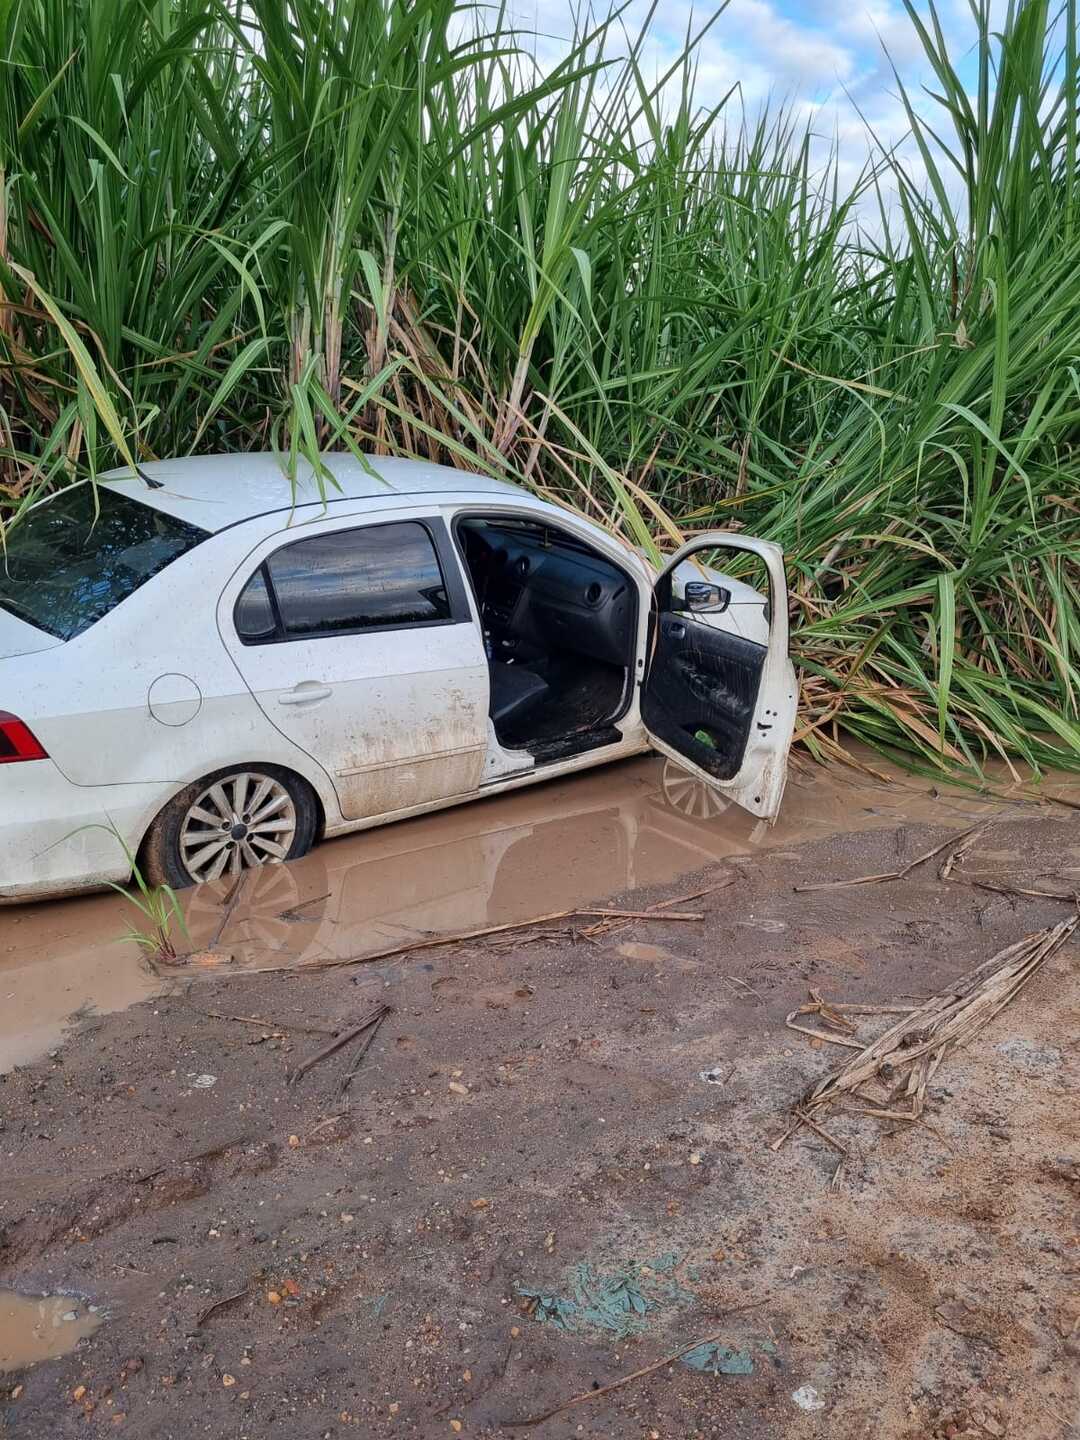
(920, 1041)
(260, 1021)
(805, 1119)
(1017, 890)
(537, 937)
(374, 1013)
(833, 1013)
(609, 927)
(435, 941)
(220, 1305)
(358, 1060)
(587, 1395)
(957, 841)
(958, 853)
(734, 980)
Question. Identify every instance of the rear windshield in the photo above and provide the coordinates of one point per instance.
(73, 559)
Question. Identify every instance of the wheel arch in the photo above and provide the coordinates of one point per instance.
(140, 843)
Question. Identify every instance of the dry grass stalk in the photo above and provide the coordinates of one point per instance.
(609, 926)
(958, 853)
(960, 846)
(835, 1016)
(920, 1040)
(370, 1018)
(1018, 890)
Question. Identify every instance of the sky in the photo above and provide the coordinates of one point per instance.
(830, 60)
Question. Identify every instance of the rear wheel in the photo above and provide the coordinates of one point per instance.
(235, 820)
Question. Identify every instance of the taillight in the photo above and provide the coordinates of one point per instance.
(18, 741)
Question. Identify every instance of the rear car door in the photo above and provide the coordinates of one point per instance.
(357, 641)
(719, 695)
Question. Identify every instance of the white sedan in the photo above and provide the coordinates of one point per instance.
(210, 668)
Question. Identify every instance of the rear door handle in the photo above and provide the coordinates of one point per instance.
(306, 693)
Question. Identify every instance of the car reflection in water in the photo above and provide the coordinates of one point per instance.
(549, 847)
(544, 849)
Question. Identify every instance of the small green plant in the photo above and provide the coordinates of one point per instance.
(158, 904)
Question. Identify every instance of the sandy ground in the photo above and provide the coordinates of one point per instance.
(528, 1110)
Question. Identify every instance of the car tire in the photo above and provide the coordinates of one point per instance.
(182, 848)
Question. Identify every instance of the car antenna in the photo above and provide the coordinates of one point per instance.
(151, 484)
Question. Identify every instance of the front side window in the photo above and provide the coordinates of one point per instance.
(71, 560)
(378, 577)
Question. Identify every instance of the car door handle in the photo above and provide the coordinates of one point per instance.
(676, 629)
(305, 693)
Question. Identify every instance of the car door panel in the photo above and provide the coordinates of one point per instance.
(720, 704)
(708, 686)
(419, 737)
(397, 714)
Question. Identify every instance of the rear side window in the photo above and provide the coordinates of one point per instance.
(255, 616)
(71, 560)
(378, 577)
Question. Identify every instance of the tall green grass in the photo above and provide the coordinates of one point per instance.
(310, 224)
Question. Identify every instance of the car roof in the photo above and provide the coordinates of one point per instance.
(216, 491)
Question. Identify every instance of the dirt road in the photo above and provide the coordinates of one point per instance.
(530, 1126)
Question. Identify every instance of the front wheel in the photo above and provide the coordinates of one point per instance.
(690, 794)
(228, 822)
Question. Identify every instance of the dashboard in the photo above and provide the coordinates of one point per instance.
(538, 590)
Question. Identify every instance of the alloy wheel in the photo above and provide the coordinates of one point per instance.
(238, 822)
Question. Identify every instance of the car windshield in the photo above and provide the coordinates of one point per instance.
(71, 560)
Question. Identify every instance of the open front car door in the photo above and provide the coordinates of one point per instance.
(720, 694)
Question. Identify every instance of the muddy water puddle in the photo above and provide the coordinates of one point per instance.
(41, 1327)
(550, 847)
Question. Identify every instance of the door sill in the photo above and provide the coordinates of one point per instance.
(611, 739)
(565, 747)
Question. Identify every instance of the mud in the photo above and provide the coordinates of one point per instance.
(530, 1109)
(494, 861)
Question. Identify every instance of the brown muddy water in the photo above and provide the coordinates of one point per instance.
(546, 848)
(41, 1327)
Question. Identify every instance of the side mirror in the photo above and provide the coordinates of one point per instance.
(701, 597)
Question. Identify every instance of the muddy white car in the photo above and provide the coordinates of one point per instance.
(209, 668)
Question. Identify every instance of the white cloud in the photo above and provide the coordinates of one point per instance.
(829, 62)
(797, 56)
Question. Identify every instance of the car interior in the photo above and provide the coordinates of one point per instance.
(559, 626)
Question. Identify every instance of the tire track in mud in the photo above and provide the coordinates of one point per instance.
(111, 1201)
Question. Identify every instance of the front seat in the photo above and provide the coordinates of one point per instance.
(514, 691)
